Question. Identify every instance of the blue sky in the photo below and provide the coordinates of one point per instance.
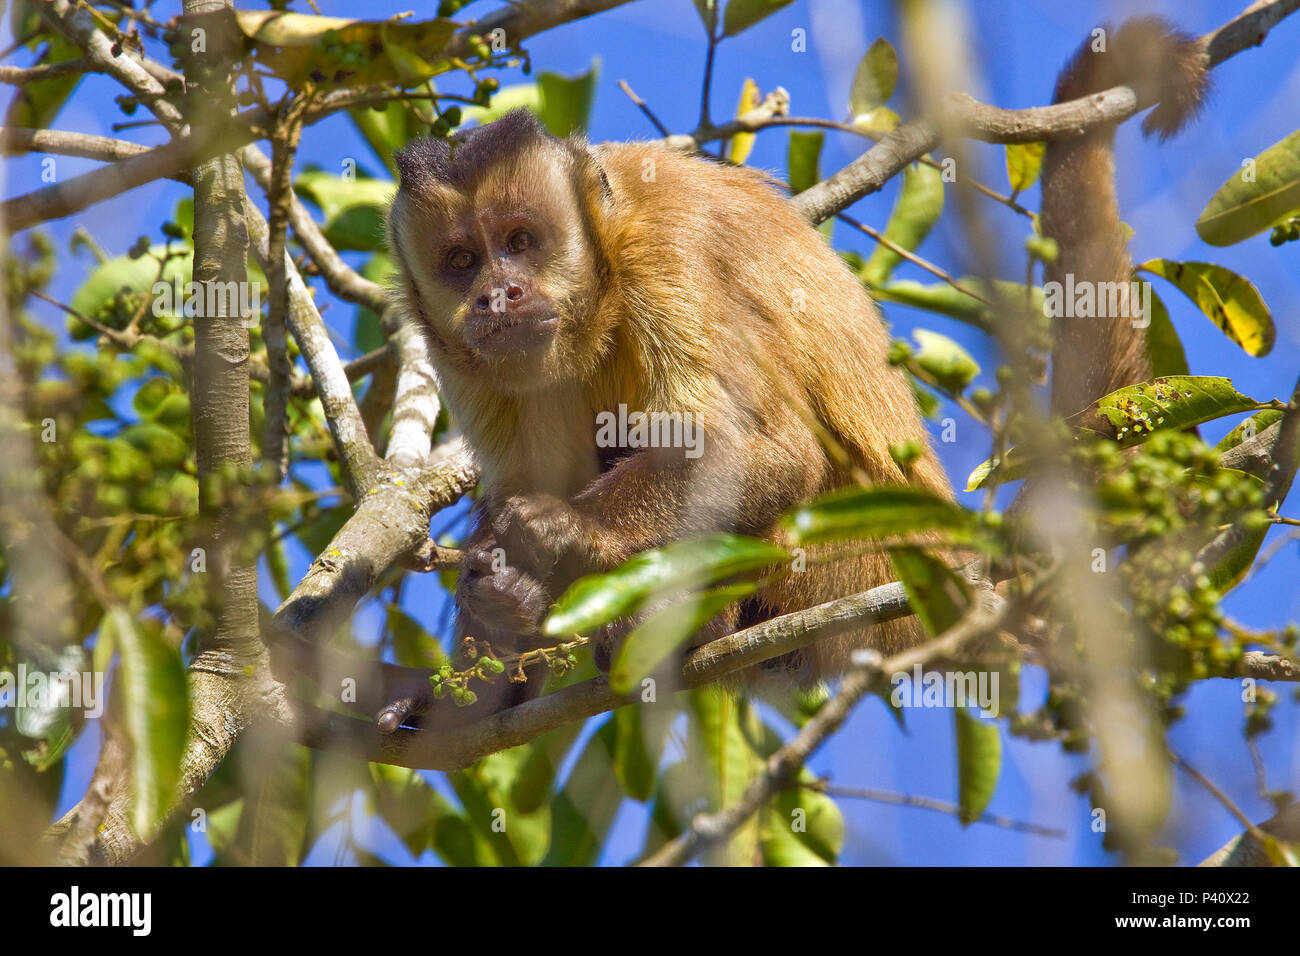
(658, 47)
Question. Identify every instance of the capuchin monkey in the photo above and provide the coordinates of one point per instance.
(561, 286)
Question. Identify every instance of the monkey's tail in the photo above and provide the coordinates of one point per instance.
(1094, 356)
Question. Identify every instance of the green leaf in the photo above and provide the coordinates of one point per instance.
(803, 160)
(413, 646)
(880, 120)
(1251, 427)
(598, 599)
(1131, 414)
(654, 640)
(132, 275)
(819, 841)
(223, 825)
(583, 811)
(927, 403)
(564, 105)
(404, 55)
(875, 78)
(740, 15)
(36, 104)
(273, 825)
(155, 702)
(705, 9)
(979, 760)
(277, 564)
(944, 361)
(532, 785)
(316, 535)
(1228, 300)
(367, 331)
(389, 129)
(1024, 164)
(919, 205)
(485, 790)
(946, 300)
(723, 760)
(519, 95)
(937, 594)
(640, 732)
(881, 511)
(1164, 347)
(1242, 209)
(334, 194)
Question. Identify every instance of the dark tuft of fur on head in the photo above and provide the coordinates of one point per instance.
(458, 161)
(1162, 64)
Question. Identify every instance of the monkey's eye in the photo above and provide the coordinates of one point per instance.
(520, 240)
(460, 259)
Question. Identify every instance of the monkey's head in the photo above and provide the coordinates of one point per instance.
(496, 236)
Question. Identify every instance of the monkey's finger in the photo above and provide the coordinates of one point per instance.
(411, 703)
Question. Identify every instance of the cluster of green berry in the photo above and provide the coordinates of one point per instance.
(1284, 232)
(351, 55)
(1164, 501)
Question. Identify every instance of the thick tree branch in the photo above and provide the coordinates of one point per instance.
(341, 412)
(80, 192)
(966, 116)
(519, 21)
(19, 139)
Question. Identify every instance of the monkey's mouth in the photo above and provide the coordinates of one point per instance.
(513, 333)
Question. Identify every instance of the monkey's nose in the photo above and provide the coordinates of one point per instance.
(514, 295)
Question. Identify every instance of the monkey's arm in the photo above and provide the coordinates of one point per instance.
(751, 469)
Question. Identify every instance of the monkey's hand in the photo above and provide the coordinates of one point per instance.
(507, 600)
(549, 538)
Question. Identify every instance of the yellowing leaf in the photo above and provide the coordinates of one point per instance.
(1243, 208)
(298, 48)
(1024, 163)
(880, 120)
(1227, 299)
(743, 143)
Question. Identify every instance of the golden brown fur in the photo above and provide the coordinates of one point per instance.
(1095, 356)
(680, 285)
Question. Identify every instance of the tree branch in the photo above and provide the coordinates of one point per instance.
(782, 768)
(964, 115)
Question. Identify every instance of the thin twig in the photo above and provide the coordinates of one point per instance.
(939, 806)
(782, 768)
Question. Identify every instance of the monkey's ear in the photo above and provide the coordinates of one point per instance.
(591, 175)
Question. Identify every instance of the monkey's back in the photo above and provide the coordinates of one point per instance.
(693, 230)
(794, 298)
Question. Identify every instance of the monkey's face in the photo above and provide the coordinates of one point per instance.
(502, 271)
